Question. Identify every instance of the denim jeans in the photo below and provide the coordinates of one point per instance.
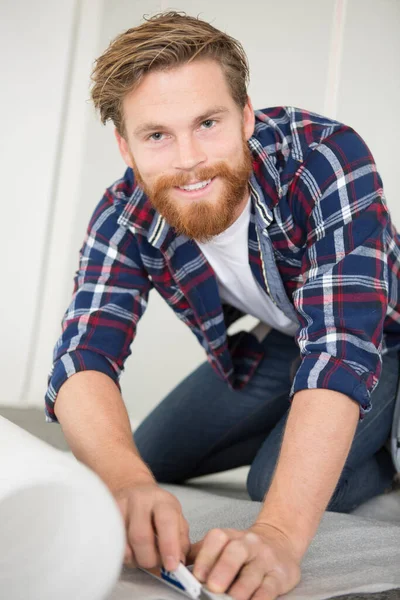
(204, 427)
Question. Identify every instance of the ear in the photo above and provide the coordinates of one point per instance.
(123, 148)
(249, 119)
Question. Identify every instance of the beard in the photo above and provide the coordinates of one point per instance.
(201, 219)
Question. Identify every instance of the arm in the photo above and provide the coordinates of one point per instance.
(338, 203)
(110, 295)
(341, 306)
(100, 438)
(314, 450)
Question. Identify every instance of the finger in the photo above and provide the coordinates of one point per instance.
(184, 537)
(167, 525)
(250, 578)
(235, 555)
(185, 545)
(128, 555)
(269, 589)
(141, 536)
(193, 552)
(129, 561)
(212, 546)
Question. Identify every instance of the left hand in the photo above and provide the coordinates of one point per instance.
(257, 563)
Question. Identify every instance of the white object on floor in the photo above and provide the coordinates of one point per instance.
(61, 532)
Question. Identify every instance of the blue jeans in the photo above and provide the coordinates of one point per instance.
(204, 427)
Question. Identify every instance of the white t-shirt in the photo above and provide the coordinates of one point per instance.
(228, 254)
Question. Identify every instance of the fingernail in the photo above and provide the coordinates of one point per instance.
(200, 574)
(171, 563)
(215, 586)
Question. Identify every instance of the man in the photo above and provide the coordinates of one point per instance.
(277, 213)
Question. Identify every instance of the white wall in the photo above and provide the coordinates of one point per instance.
(325, 56)
(35, 48)
(369, 89)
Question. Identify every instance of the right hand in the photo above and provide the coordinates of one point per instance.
(157, 533)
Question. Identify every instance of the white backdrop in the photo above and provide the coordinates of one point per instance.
(337, 57)
(36, 42)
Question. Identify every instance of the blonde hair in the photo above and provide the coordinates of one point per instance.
(165, 40)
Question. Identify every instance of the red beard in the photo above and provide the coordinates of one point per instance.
(201, 219)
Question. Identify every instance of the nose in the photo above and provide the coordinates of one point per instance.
(188, 153)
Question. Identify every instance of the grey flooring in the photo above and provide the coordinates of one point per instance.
(231, 484)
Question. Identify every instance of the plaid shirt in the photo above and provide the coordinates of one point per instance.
(317, 201)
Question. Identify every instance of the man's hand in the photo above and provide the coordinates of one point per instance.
(257, 563)
(156, 531)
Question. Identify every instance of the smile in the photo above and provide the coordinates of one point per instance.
(195, 189)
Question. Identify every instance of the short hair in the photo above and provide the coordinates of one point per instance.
(166, 40)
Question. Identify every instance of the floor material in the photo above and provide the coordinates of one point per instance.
(356, 556)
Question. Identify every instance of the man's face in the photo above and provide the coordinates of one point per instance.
(184, 129)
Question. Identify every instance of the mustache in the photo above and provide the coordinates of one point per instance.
(167, 182)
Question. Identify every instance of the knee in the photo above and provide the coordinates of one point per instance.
(258, 482)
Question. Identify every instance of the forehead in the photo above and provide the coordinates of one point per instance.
(177, 94)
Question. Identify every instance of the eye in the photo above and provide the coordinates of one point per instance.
(151, 137)
(209, 123)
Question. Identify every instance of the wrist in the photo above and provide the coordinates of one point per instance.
(279, 511)
(136, 478)
(128, 471)
(295, 540)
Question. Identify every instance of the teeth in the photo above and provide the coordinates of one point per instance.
(195, 186)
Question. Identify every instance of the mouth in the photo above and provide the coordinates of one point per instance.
(195, 190)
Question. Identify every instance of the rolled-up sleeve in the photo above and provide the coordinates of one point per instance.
(109, 297)
(343, 298)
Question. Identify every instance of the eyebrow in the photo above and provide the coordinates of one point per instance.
(153, 126)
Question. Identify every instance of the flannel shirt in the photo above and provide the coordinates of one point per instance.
(317, 200)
